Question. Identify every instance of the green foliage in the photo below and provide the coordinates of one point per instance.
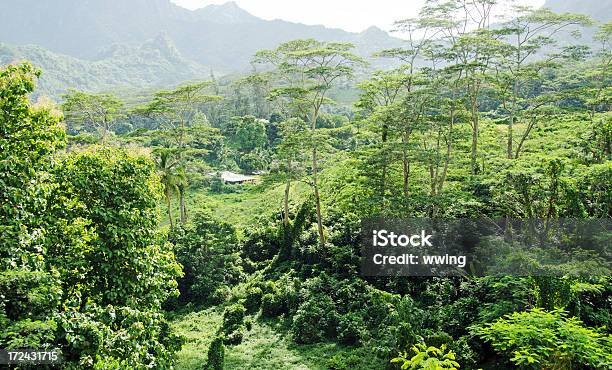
(272, 305)
(253, 300)
(83, 262)
(91, 112)
(427, 358)
(216, 354)
(30, 290)
(233, 323)
(547, 339)
(207, 249)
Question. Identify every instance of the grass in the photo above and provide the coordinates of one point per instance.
(268, 345)
(241, 207)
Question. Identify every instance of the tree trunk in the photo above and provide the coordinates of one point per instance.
(169, 209)
(512, 120)
(286, 203)
(510, 137)
(317, 197)
(449, 148)
(406, 167)
(475, 124)
(383, 180)
(315, 170)
(182, 204)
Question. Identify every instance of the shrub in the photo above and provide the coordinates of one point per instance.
(540, 339)
(233, 317)
(315, 320)
(208, 250)
(253, 299)
(272, 305)
(216, 354)
(350, 328)
(220, 295)
(427, 358)
(236, 336)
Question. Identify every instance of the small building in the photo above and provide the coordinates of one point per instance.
(234, 178)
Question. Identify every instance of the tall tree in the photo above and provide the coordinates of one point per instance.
(524, 36)
(307, 70)
(178, 110)
(92, 111)
(291, 157)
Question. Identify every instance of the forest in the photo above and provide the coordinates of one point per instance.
(124, 245)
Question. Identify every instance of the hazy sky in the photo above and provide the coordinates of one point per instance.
(350, 15)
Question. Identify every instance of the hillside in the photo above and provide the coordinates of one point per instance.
(224, 37)
(154, 63)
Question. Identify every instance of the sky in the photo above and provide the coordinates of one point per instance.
(350, 15)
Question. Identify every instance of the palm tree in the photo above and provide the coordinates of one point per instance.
(181, 185)
(169, 178)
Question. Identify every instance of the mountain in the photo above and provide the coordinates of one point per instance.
(223, 37)
(93, 44)
(228, 13)
(598, 9)
(154, 63)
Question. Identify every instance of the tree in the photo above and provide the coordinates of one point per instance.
(307, 70)
(92, 111)
(29, 139)
(82, 266)
(376, 103)
(597, 94)
(248, 133)
(177, 110)
(169, 178)
(291, 157)
(468, 48)
(524, 36)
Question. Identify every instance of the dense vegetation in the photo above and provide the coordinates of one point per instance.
(479, 121)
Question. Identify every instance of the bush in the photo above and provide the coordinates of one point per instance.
(236, 336)
(540, 339)
(253, 299)
(272, 305)
(208, 250)
(216, 354)
(427, 358)
(233, 317)
(315, 320)
(350, 328)
(248, 324)
(220, 295)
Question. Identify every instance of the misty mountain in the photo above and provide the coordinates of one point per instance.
(99, 44)
(597, 9)
(223, 37)
(154, 63)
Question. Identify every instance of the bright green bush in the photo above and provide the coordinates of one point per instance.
(233, 323)
(233, 316)
(541, 339)
(427, 358)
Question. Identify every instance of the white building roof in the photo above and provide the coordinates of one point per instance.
(228, 176)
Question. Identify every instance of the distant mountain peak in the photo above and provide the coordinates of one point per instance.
(226, 13)
(374, 30)
(374, 33)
